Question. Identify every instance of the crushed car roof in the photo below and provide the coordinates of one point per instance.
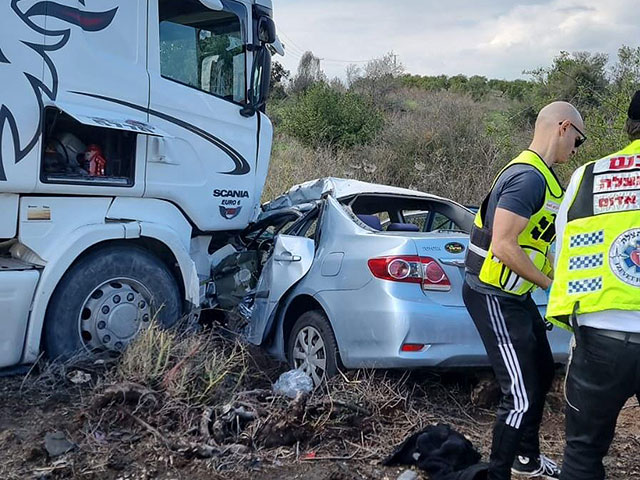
(339, 188)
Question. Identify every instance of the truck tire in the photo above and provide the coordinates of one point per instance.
(106, 298)
(312, 347)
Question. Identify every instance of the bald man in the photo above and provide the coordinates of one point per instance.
(508, 257)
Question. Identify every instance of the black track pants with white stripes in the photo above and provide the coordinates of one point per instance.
(604, 373)
(515, 337)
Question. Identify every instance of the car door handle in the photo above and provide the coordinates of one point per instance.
(287, 257)
(453, 262)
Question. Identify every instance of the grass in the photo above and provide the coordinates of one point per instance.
(195, 369)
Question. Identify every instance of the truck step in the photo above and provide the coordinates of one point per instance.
(14, 265)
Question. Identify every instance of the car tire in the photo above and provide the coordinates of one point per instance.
(106, 298)
(311, 328)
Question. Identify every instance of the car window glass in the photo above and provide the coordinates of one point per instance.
(419, 218)
(384, 217)
(202, 48)
(311, 229)
(442, 222)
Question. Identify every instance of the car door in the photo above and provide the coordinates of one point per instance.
(290, 261)
(198, 64)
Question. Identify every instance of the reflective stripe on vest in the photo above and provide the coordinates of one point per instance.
(535, 239)
(599, 263)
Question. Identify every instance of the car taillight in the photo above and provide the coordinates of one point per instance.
(434, 276)
(409, 269)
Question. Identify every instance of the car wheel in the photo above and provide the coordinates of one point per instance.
(313, 348)
(106, 299)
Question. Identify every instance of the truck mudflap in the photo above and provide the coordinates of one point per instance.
(18, 282)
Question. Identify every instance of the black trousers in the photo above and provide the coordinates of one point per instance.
(515, 337)
(603, 374)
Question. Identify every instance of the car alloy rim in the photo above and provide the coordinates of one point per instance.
(113, 315)
(310, 354)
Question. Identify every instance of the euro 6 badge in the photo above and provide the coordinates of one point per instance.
(624, 257)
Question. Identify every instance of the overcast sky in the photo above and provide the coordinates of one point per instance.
(495, 38)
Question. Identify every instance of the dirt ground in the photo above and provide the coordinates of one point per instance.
(29, 411)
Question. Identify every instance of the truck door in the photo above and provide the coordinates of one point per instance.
(96, 70)
(198, 65)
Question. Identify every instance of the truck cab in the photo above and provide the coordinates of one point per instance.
(132, 136)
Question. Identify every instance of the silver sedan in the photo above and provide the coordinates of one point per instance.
(358, 275)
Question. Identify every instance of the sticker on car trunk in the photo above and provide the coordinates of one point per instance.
(454, 247)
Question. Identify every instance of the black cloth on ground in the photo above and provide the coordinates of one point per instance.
(442, 452)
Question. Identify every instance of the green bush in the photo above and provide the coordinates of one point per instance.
(324, 116)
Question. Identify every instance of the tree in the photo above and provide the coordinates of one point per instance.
(325, 116)
(579, 78)
(278, 77)
(379, 76)
(625, 74)
(309, 73)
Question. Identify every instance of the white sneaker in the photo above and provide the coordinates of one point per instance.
(541, 467)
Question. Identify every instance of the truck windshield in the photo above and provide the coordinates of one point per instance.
(204, 49)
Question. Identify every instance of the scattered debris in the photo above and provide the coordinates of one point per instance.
(218, 417)
(293, 383)
(78, 377)
(57, 444)
(486, 393)
(127, 393)
(62, 466)
(408, 475)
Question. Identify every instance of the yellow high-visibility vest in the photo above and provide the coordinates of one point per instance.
(599, 263)
(535, 239)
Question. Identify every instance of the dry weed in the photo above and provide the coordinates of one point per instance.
(196, 369)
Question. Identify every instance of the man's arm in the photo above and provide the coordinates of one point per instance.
(507, 226)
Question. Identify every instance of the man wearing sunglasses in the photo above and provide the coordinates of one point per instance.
(506, 260)
(596, 291)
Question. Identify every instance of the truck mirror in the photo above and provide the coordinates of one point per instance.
(266, 30)
(213, 4)
(260, 82)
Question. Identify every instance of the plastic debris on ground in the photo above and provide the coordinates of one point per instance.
(292, 383)
(79, 377)
(57, 444)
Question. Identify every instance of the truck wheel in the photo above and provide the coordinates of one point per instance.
(106, 299)
(313, 348)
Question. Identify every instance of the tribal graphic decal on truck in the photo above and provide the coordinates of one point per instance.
(39, 41)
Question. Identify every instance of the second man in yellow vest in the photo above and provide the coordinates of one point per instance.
(506, 260)
(597, 292)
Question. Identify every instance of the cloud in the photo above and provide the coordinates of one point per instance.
(496, 38)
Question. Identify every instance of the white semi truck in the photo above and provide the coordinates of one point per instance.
(133, 140)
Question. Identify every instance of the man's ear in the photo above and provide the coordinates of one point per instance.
(563, 127)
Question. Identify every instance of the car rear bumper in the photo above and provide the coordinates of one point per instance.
(371, 333)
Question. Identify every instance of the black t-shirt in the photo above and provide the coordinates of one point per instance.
(521, 190)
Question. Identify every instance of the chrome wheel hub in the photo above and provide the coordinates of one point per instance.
(310, 355)
(114, 314)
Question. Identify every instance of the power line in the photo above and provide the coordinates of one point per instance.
(333, 60)
(292, 44)
(301, 51)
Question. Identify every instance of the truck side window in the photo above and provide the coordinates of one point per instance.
(203, 48)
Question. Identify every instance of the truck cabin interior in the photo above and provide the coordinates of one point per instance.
(203, 48)
(79, 154)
